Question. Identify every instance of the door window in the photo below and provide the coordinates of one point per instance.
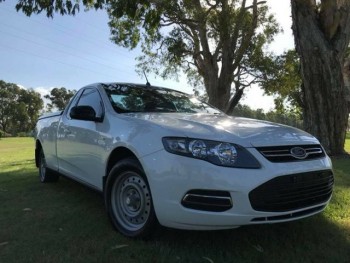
(91, 97)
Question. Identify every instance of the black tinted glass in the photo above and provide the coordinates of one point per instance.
(91, 98)
(128, 98)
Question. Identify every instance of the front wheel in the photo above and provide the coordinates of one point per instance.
(45, 175)
(128, 200)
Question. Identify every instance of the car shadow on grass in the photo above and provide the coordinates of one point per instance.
(314, 239)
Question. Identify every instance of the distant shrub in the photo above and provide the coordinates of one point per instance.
(31, 134)
(4, 134)
(22, 134)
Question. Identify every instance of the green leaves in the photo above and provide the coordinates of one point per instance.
(62, 7)
(286, 83)
(19, 108)
(59, 98)
(220, 42)
(132, 22)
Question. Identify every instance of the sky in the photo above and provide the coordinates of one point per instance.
(73, 51)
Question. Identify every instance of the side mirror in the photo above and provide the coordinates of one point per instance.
(85, 113)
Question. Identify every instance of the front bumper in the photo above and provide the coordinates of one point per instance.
(171, 177)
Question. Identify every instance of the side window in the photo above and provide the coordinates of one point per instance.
(91, 97)
(74, 101)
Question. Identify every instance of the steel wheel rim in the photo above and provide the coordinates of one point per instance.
(42, 167)
(131, 201)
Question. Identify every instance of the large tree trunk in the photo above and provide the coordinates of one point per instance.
(234, 101)
(346, 73)
(325, 105)
(218, 91)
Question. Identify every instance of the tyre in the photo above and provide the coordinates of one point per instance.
(128, 200)
(45, 175)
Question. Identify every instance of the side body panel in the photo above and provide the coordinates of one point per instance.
(82, 150)
(46, 133)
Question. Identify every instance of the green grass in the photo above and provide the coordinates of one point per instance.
(347, 143)
(66, 222)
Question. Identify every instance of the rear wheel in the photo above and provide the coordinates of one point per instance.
(129, 201)
(45, 175)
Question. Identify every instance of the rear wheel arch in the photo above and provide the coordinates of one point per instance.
(38, 148)
(45, 174)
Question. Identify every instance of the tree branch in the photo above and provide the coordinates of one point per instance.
(258, 3)
(342, 37)
(247, 37)
(234, 38)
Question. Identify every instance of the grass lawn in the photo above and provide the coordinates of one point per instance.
(347, 142)
(66, 222)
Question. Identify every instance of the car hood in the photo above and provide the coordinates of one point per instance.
(244, 131)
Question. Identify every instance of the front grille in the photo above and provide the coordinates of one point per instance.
(207, 200)
(290, 154)
(291, 192)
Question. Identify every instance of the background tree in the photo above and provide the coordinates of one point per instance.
(8, 97)
(322, 34)
(346, 73)
(218, 42)
(286, 85)
(215, 42)
(286, 117)
(19, 108)
(33, 105)
(59, 98)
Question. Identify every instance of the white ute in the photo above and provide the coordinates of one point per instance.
(162, 156)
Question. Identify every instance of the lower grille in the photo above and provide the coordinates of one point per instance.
(289, 216)
(291, 192)
(207, 200)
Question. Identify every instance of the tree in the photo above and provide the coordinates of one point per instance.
(59, 98)
(286, 85)
(322, 34)
(346, 73)
(216, 42)
(8, 97)
(32, 104)
(285, 117)
(19, 108)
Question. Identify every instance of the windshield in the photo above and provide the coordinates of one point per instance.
(129, 98)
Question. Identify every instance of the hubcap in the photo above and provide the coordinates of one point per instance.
(131, 201)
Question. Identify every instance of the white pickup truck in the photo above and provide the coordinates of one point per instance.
(162, 156)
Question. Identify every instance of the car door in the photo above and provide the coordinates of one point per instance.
(81, 147)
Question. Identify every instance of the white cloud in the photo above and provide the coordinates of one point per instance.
(43, 91)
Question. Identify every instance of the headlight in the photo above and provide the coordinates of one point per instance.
(219, 153)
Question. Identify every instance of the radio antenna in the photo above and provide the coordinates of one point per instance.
(147, 83)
